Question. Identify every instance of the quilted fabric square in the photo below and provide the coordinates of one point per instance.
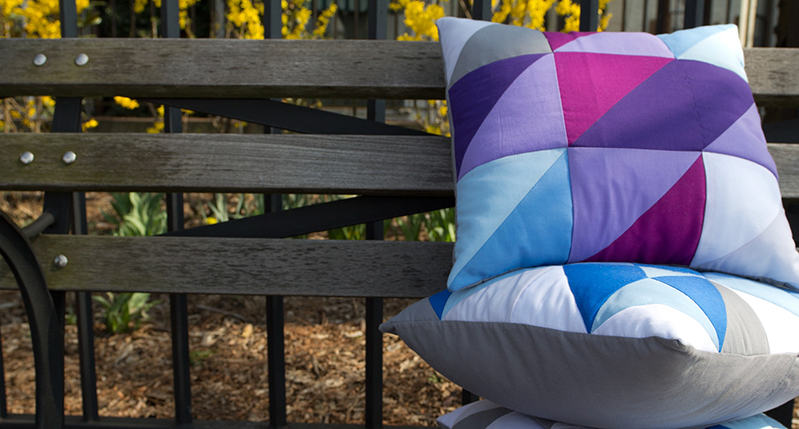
(612, 345)
(609, 147)
(488, 415)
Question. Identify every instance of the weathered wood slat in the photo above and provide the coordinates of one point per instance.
(242, 266)
(387, 165)
(786, 157)
(216, 68)
(342, 164)
(773, 75)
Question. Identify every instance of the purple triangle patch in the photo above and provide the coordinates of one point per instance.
(685, 105)
(612, 188)
(669, 232)
(473, 96)
(745, 139)
(526, 118)
(590, 84)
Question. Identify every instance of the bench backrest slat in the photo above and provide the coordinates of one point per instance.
(289, 163)
(242, 266)
(215, 68)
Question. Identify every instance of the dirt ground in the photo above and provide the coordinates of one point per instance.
(324, 357)
(324, 364)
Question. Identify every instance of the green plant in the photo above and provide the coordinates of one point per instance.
(137, 214)
(440, 225)
(124, 312)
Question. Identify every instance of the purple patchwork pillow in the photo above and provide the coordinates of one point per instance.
(609, 147)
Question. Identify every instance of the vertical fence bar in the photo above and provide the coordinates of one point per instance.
(782, 414)
(481, 10)
(375, 111)
(694, 13)
(275, 320)
(708, 12)
(88, 372)
(589, 15)
(68, 12)
(84, 315)
(275, 343)
(728, 15)
(624, 15)
(663, 19)
(178, 303)
(218, 19)
(276, 361)
(3, 401)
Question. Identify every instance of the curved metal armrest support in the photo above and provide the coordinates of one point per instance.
(46, 329)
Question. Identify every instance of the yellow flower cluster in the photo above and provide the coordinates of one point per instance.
(420, 18)
(324, 21)
(245, 19)
(526, 13)
(33, 18)
(295, 20)
(25, 114)
(91, 123)
(126, 102)
(158, 126)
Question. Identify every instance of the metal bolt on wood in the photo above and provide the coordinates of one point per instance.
(39, 60)
(60, 261)
(81, 59)
(69, 157)
(26, 158)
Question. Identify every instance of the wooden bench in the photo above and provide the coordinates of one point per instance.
(395, 171)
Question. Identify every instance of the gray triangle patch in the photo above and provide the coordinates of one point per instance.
(498, 42)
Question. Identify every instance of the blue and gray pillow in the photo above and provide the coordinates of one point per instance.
(587, 343)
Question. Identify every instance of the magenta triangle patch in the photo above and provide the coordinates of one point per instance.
(669, 231)
(591, 84)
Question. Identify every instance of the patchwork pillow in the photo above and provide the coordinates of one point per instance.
(589, 343)
(488, 415)
(609, 147)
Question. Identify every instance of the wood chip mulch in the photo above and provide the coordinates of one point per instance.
(324, 366)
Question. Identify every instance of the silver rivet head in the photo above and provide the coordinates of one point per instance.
(69, 157)
(26, 158)
(81, 59)
(39, 60)
(60, 261)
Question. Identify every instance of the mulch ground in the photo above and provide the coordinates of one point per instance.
(324, 365)
(324, 357)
